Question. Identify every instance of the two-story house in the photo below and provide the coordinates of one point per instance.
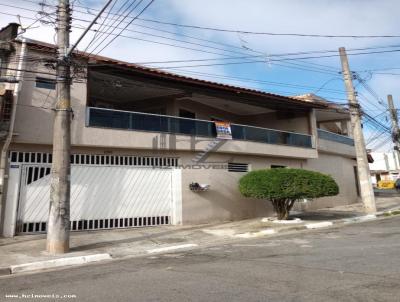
(141, 137)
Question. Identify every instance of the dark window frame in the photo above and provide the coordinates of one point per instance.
(277, 166)
(45, 83)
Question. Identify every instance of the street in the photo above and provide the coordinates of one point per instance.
(357, 262)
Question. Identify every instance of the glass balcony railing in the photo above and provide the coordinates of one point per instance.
(327, 135)
(116, 119)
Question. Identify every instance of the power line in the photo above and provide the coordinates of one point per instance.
(110, 28)
(101, 25)
(273, 60)
(173, 45)
(247, 32)
(133, 19)
(271, 33)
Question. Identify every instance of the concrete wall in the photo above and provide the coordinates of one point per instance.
(332, 147)
(298, 122)
(342, 170)
(223, 201)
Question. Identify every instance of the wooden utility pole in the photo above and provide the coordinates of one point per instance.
(366, 190)
(58, 223)
(395, 128)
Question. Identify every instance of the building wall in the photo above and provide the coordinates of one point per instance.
(34, 122)
(223, 201)
(298, 122)
(342, 170)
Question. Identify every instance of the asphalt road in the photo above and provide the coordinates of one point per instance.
(358, 262)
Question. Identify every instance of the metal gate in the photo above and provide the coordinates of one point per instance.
(102, 196)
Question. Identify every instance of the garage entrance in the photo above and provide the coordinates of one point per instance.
(106, 192)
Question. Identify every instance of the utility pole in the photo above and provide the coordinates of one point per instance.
(58, 223)
(366, 190)
(395, 127)
(59, 219)
(395, 130)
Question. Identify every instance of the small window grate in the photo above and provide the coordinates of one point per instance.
(95, 159)
(99, 224)
(237, 167)
(36, 173)
(45, 83)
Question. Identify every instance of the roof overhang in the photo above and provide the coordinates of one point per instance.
(161, 77)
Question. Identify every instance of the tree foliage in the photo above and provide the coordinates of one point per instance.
(283, 186)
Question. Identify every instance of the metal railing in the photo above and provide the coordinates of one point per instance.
(118, 119)
(327, 135)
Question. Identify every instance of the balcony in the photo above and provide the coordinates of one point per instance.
(330, 136)
(126, 120)
(330, 142)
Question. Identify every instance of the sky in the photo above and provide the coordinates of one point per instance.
(295, 77)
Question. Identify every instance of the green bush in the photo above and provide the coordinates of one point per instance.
(283, 186)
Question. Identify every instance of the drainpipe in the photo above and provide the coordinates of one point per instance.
(313, 130)
(4, 151)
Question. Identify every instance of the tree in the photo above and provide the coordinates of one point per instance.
(284, 186)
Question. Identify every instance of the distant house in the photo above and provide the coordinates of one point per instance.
(145, 146)
(385, 166)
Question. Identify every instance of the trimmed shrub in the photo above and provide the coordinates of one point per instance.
(284, 186)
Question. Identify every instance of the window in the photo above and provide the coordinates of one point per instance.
(188, 125)
(186, 114)
(45, 83)
(159, 111)
(216, 119)
(237, 167)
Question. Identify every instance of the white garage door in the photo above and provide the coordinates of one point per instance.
(103, 196)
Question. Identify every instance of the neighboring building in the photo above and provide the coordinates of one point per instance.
(140, 138)
(385, 166)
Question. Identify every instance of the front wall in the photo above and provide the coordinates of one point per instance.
(223, 201)
(342, 170)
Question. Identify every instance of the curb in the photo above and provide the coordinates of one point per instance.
(317, 225)
(5, 271)
(54, 263)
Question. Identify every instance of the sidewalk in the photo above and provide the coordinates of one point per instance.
(148, 241)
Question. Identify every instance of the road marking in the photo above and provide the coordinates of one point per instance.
(256, 234)
(171, 248)
(360, 218)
